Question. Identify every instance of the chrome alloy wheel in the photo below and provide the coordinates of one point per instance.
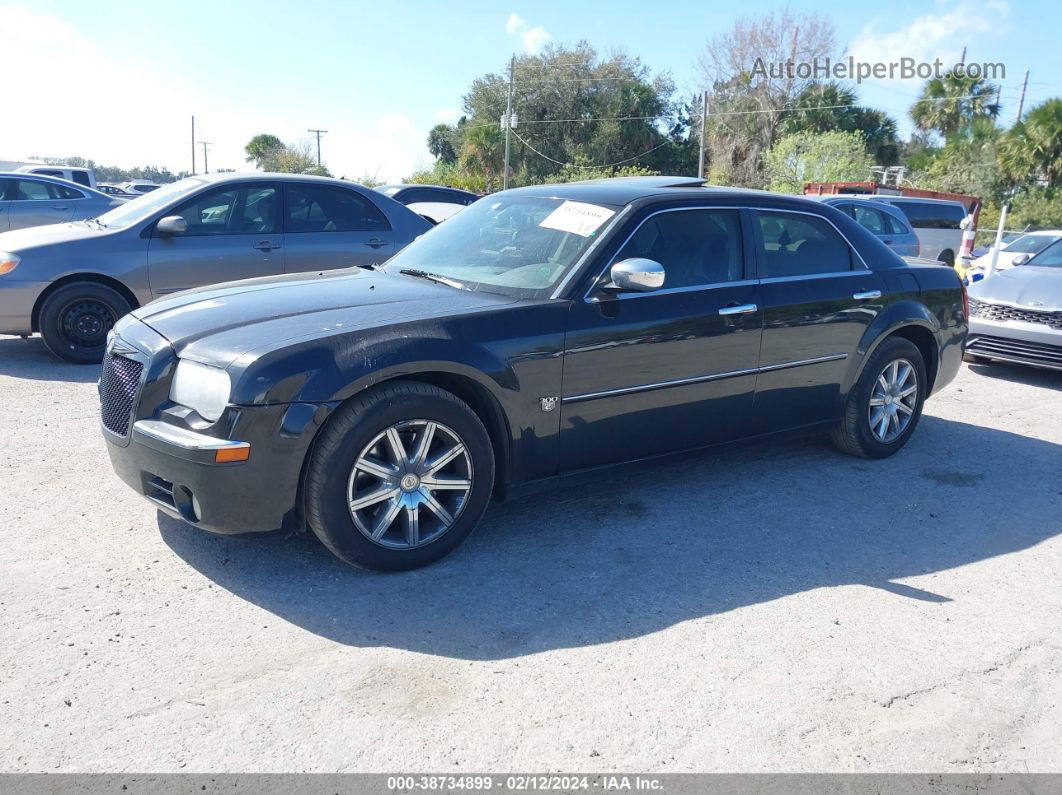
(893, 400)
(409, 484)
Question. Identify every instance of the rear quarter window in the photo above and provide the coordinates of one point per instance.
(929, 215)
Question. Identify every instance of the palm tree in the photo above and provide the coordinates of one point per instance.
(263, 147)
(1033, 147)
(483, 152)
(950, 104)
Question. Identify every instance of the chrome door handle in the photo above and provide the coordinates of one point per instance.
(60, 207)
(869, 295)
(743, 309)
(375, 242)
(266, 245)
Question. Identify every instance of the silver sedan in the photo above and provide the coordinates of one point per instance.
(35, 200)
(1016, 314)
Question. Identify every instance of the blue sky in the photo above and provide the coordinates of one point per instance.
(118, 81)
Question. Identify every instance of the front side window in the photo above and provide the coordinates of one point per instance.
(696, 247)
(801, 245)
(231, 211)
(1050, 257)
(521, 246)
(323, 208)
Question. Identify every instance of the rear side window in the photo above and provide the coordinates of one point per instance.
(63, 192)
(323, 208)
(872, 219)
(696, 247)
(80, 177)
(31, 190)
(930, 215)
(894, 226)
(801, 245)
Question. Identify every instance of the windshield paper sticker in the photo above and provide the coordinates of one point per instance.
(578, 218)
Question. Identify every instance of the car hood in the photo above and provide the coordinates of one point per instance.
(31, 237)
(218, 324)
(1025, 285)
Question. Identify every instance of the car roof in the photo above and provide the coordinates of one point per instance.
(619, 191)
(271, 176)
(44, 178)
(890, 198)
(396, 186)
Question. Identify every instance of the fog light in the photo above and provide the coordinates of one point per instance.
(231, 455)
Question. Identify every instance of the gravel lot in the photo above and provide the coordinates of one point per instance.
(772, 608)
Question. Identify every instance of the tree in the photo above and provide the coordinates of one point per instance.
(441, 142)
(949, 105)
(261, 147)
(1032, 150)
(748, 97)
(816, 157)
(967, 163)
(823, 107)
(483, 152)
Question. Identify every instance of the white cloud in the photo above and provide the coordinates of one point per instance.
(533, 39)
(448, 115)
(940, 34)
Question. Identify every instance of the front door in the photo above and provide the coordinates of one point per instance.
(233, 233)
(818, 300)
(35, 203)
(675, 369)
(327, 226)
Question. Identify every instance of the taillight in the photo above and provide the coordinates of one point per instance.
(965, 302)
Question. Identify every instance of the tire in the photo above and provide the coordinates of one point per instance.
(854, 434)
(948, 258)
(360, 433)
(972, 359)
(75, 319)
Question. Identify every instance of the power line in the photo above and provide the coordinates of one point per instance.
(589, 168)
(318, 133)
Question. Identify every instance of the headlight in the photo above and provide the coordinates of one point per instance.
(199, 387)
(8, 262)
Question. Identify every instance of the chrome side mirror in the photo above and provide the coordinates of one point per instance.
(1020, 259)
(636, 275)
(172, 225)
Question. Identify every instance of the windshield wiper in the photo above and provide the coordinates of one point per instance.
(433, 277)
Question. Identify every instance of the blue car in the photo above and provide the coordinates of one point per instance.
(886, 222)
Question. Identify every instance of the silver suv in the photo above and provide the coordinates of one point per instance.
(72, 281)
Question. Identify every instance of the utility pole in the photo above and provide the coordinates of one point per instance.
(193, 146)
(318, 133)
(508, 123)
(206, 168)
(704, 134)
(1021, 97)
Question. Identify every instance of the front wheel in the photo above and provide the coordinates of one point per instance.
(75, 319)
(400, 476)
(884, 406)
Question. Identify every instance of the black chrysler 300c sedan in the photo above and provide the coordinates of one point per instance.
(540, 333)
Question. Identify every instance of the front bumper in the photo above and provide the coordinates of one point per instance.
(175, 468)
(16, 305)
(1016, 341)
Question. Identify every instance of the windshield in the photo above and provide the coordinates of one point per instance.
(140, 208)
(515, 245)
(1030, 244)
(1048, 258)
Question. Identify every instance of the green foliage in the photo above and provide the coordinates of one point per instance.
(450, 176)
(967, 163)
(1032, 150)
(816, 157)
(824, 107)
(951, 103)
(574, 108)
(366, 180)
(574, 173)
(262, 147)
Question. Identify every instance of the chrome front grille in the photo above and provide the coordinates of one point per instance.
(119, 382)
(1001, 312)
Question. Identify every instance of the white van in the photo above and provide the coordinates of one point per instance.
(939, 224)
(82, 176)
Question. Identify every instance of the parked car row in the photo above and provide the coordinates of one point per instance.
(34, 200)
(539, 333)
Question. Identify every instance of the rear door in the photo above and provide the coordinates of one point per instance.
(35, 202)
(818, 300)
(233, 233)
(328, 226)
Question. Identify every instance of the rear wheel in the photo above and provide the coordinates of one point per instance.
(948, 258)
(75, 319)
(400, 477)
(884, 406)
